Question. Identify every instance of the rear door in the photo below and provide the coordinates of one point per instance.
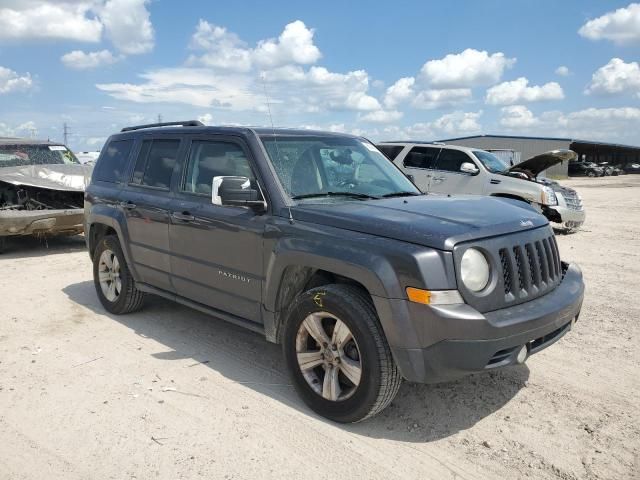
(216, 250)
(146, 202)
(447, 177)
(420, 162)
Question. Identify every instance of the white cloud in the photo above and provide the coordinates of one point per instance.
(616, 77)
(125, 22)
(382, 116)
(563, 71)
(621, 26)
(26, 129)
(223, 49)
(80, 60)
(431, 99)
(11, 81)
(294, 45)
(518, 91)
(459, 123)
(128, 25)
(517, 116)
(206, 118)
(608, 124)
(190, 86)
(68, 20)
(399, 92)
(466, 69)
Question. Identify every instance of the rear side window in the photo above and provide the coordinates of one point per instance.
(155, 163)
(209, 159)
(451, 160)
(390, 151)
(421, 157)
(113, 162)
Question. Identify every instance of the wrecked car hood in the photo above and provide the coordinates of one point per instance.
(65, 177)
(541, 162)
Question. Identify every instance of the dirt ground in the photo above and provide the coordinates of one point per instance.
(171, 393)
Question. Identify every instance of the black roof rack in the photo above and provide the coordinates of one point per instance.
(187, 123)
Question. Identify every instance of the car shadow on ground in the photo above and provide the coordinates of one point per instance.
(420, 413)
(38, 246)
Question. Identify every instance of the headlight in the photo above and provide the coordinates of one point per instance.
(548, 196)
(474, 270)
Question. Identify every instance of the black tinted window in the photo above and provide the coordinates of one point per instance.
(451, 160)
(155, 163)
(209, 159)
(421, 157)
(113, 161)
(391, 151)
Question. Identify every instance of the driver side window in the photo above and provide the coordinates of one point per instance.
(208, 159)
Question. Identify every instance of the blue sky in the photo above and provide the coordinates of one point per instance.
(387, 70)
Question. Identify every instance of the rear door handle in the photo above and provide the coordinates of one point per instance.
(183, 216)
(128, 205)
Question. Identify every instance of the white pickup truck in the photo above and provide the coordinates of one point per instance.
(450, 169)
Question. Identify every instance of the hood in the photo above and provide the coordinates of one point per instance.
(433, 221)
(71, 178)
(541, 162)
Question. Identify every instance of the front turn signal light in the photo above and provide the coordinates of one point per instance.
(434, 297)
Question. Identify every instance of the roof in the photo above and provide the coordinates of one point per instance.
(238, 130)
(26, 141)
(559, 139)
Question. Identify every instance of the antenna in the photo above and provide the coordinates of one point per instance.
(273, 129)
(159, 118)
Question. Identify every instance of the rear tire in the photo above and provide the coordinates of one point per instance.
(114, 284)
(353, 376)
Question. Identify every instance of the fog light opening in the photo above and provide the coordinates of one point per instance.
(522, 354)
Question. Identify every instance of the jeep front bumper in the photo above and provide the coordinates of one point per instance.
(457, 340)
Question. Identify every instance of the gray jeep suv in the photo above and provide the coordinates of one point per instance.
(316, 241)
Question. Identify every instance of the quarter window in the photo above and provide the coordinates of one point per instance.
(390, 151)
(113, 161)
(209, 159)
(421, 157)
(452, 160)
(155, 163)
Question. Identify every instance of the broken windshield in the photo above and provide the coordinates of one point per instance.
(20, 155)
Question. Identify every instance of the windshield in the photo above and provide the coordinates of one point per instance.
(341, 167)
(20, 155)
(491, 162)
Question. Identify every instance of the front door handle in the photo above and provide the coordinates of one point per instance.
(438, 179)
(183, 216)
(128, 205)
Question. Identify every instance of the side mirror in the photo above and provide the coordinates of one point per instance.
(236, 191)
(412, 178)
(470, 168)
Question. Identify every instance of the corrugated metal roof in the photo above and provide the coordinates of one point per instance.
(560, 139)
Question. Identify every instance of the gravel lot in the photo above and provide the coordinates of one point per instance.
(170, 393)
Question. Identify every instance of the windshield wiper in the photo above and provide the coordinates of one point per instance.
(401, 194)
(333, 194)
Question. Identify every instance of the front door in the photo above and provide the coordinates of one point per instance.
(146, 204)
(216, 251)
(420, 162)
(447, 177)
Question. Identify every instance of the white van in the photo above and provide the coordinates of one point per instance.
(450, 169)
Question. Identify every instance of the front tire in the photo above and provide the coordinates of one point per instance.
(337, 355)
(114, 284)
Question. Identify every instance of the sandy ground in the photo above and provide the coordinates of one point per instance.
(170, 393)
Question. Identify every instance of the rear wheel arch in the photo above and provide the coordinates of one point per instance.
(511, 196)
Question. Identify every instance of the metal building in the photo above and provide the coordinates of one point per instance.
(531, 146)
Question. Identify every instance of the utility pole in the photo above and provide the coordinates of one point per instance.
(65, 130)
(159, 118)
